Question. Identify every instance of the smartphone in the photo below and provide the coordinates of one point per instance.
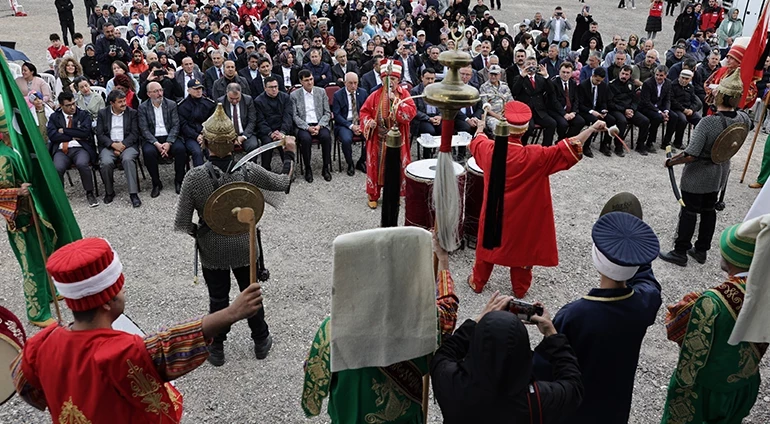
(604, 111)
(532, 69)
(159, 72)
(523, 310)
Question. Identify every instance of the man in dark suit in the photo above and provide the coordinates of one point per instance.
(159, 124)
(263, 71)
(346, 104)
(71, 141)
(161, 76)
(193, 111)
(117, 134)
(240, 108)
(251, 71)
(592, 106)
(372, 79)
(428, 118)
(185, 75)
(215, 72)
(275, 119)
(655, 103)
(482, 60)
(321, 71)
(568, 121)
(343, 66)
(410, 62)
(623, 105)
(534, 89)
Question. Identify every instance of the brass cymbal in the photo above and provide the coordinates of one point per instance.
(218, 211)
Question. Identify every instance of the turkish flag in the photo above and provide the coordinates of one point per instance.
(753, 62)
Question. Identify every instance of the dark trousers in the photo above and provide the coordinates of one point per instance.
(218, 283)
(151, 159)
(681, 124)
(345, 136)
(695, 204)
(82, 161)
(609, 120)
(67, 25)
(267, 157)
(305, 141)
(638, 119)
(565, 128)
(462, 126)
(492, 4)
(547, 123)
(671, 8)
(180, 150)
(655, 119)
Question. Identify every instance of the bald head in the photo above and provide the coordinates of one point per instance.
(351, 82)
(155, 92)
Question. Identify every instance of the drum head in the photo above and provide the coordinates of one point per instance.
(474, 167)
(125, 324)
(12, 338)
(426, 169)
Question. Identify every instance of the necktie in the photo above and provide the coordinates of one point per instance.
(532, 80)
(355, 108)
(236, 121)
(219, 72)
(593, 95)
(66, 145)
(486, 62)
(566, 96)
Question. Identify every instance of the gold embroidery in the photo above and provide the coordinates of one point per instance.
(7, 178)
(748, 362)
(697, 342)
(146, 387)
(681, 408)
(317, 372)
(172, 394)
(70, 414)
(29, 285)
(395, 406)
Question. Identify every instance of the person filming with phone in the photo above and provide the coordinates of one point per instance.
(483, 372)
(171, 90)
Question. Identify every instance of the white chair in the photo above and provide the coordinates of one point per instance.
(100, 91)
(50, 80)
(535, 33)
(167, 32)
(123, 31)
(171, 62)
(118, 4)
(15, 69)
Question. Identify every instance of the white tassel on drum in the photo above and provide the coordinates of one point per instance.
(446, 202)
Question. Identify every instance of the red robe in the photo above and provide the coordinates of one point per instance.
(529, 233)
(108, 376)
(375, 145)
(716, 77)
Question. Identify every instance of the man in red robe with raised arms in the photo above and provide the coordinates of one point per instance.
(87, 372)
(377, 117)
(516, 227)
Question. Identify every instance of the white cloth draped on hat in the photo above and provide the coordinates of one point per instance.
(610, 269)
(753, 322)
(92, 285)
(383, 298)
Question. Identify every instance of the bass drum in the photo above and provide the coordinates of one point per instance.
(12, 339)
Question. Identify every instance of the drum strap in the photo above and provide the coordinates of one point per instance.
(535, 406)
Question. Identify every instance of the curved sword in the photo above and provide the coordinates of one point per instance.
(672, 177)
(256, 152)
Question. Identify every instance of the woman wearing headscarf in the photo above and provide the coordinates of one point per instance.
(730, 28)
(90, 65)
(155, 30)
(287, 68)
(483, 372)
(172, 47)
(686, 24)
(247, 25)
(123, 83)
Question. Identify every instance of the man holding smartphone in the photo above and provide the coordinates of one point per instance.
(557, 26)
(171, 90)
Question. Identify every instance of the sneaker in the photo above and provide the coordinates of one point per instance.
(92, 202)
(674, 257)
(261, 349)
(700, 257)
(216, 354)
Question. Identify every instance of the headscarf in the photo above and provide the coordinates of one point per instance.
(154, 30)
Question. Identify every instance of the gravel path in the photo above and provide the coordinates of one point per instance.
(298, 236)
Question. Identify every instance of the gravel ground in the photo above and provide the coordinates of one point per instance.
(298, 253)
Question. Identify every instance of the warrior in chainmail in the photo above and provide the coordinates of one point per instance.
(220, 254)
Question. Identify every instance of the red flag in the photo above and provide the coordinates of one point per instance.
(754, 59)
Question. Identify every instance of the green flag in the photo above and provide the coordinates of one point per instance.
(35, 163)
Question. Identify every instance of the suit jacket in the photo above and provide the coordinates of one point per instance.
(586, 99)
(420, 105)
(558, 90)
(473, 111)
(147, 121)
(179, 78)
(220, 86)
(478, 62)
(246, 73)
(414, 63)
(294, 74)
(340, 105)
(210, 77)
(339, 74)
(540, 98)
(81, 131)
(246, 113)
(257, 88)
(649, 101)
(369, 81)
(130, 128)
(322, 111)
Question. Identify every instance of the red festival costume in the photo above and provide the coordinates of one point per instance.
(529, 232)
(105, 375)
(375, 108)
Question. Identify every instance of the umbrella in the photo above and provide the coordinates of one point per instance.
(11, 54)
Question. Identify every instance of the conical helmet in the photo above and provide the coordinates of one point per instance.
(219, 133)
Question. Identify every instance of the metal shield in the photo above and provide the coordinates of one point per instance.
(729, 142)
(218, 210)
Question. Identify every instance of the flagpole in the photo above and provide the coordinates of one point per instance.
(51, 287)
(756, 134)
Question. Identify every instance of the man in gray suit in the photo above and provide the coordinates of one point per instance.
(186, 74)
(159, 124)
(117, 130)
(312, 117)
(240, 108)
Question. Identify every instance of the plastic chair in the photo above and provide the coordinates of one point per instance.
(50, 80)
(123, 29)
(167, 32)
(15, 69)
(100, 90)
(171, 62)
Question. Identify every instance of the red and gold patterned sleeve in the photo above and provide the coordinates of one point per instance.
(31, 394)
(447, 303)
(177, 350)
(9, 204)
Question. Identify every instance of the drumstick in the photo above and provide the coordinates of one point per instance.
(614, 131)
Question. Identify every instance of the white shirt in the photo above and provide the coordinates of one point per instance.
(310, 116)
(350, 105)
(72, 143)
(557, 27)
(160, 124)
(405, 69)
(187, 79)
(116, 133)
(595, 89)
(286, 76)
(253, 73)
(377, 77)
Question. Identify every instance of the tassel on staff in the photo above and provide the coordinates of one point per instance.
(446, 194)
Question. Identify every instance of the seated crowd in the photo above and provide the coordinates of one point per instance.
(163, 69)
